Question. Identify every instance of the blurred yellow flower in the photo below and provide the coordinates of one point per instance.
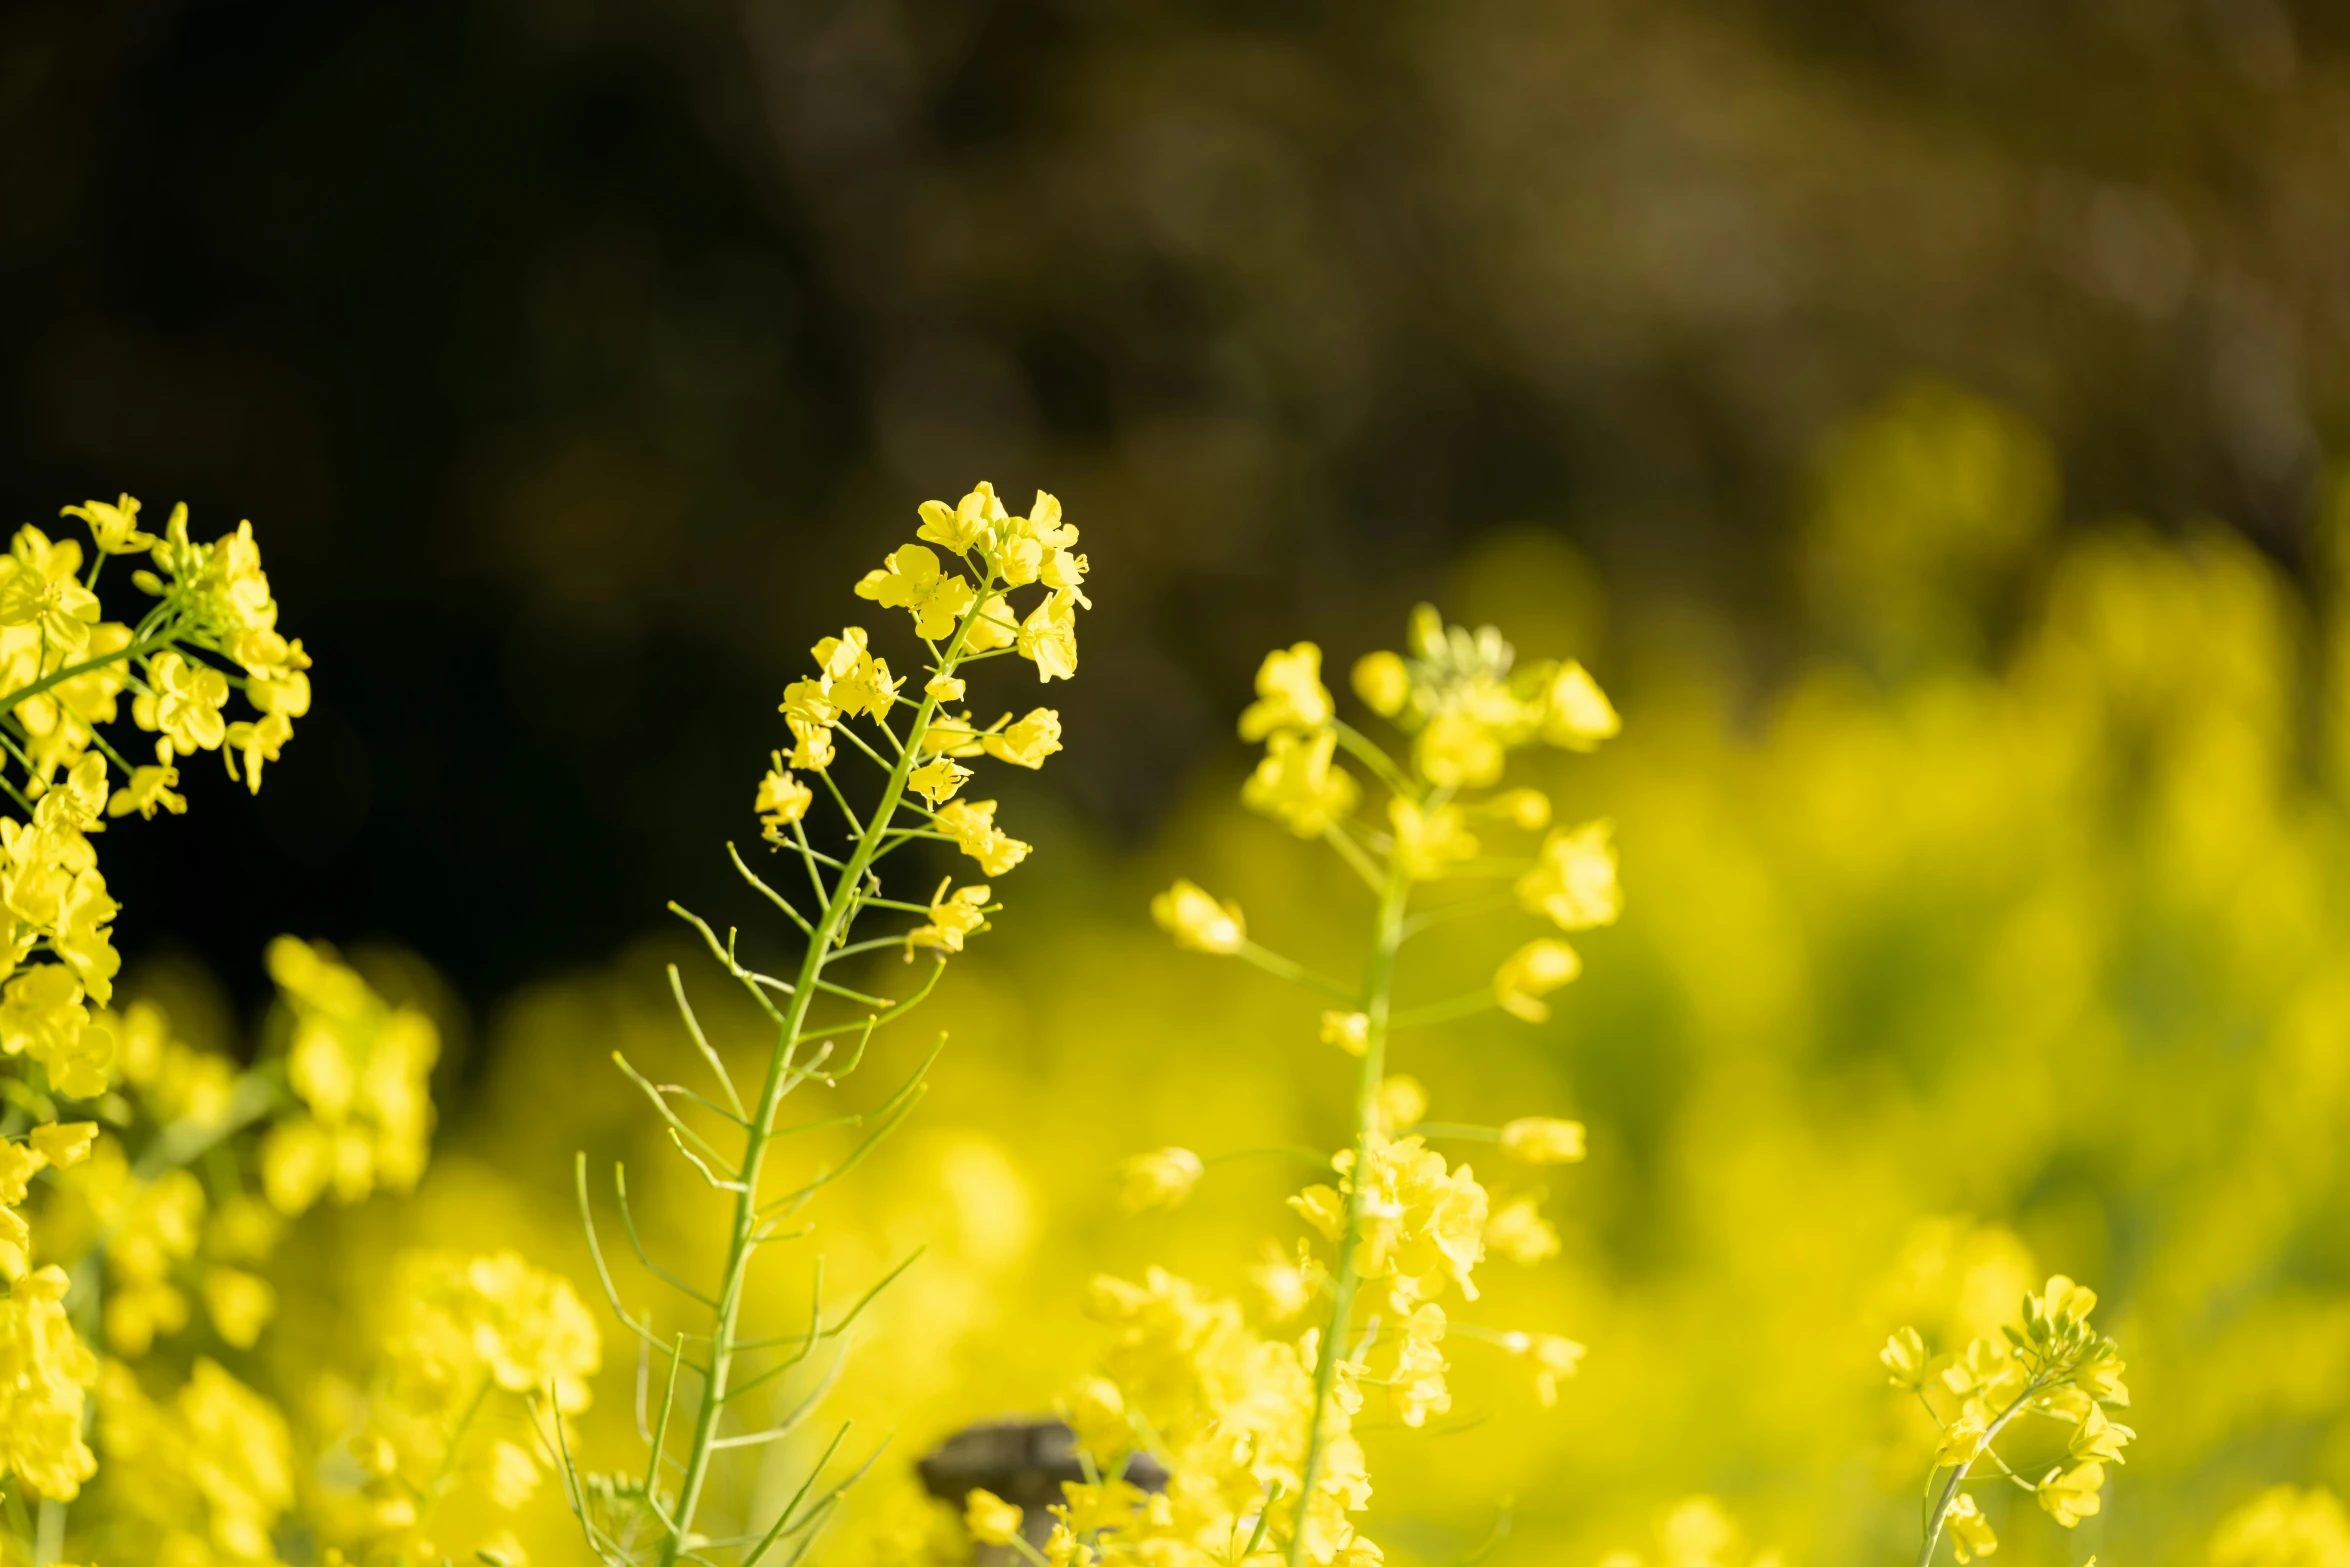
(1290, 694)
(1430, 842)
(1543, 1140)
(1576, 714)
(1383, 682)
(1160, 1179)
(2070, 1495)
(1349, 1031)
(1298, 784)
(1531, 972)
(1573, 882)
(991, 1519)
(1197, 921)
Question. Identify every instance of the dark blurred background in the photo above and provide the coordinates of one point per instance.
(573, 356)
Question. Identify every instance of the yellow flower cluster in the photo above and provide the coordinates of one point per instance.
(1228, 1410)
(206, 1474)
(44, 1372)
(485, 1355)
(361, 1069)
(2052, 1364)
(963, 612)
(1256, 1430)
(956, 581)
(63, 672)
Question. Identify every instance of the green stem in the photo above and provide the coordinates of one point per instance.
(1959, 1472)
(839, 907)
(1378, 987)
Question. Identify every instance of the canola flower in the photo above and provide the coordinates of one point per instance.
(210, 634)
(2051, 1364)
(160, 1225)
(1255, 1420)
(956, 582)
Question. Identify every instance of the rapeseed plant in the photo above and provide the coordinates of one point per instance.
(1252, 1416)
(2051, 1364)
(963, 613)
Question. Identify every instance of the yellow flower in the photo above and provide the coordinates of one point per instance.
(1970, 1531)
(240, 1304)
(114, 528)
(781, 800)
(1576, 714)
(1418, 1384)
(1459, 750)
(44, 1369)
(953, 916)
(2063, 1302)
(1349, 1031)
(41, 587)
(1573, 881)
(1553, 1358)
(42, 1015)
(1517, 1230)
(255, 741)
(1160, 1179)
(1528, 810)
(943, 688)
(1285, 1286)
(970, 525)
(1425, 1224)
(64, 1144)
(971, 823)
(1197, 921)
(1429, 843)
(2100, 1437)
(1542, 1140)
(1403, 1104)
(184, 702)
(462, 1319)
(937, 779)
(811, 746)
(361, 1069)
(1531, 972)
(1383, 683)
(1297, 784)
(808, 704)
(150, 788)
(2070, 1495)
(1028, 742)
(1290, 694)
(1048, 638)
(866, 688)
(911, 579)
(991, 1519)
(1904, 1355)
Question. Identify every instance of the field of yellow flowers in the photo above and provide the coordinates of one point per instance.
(1563, 1099)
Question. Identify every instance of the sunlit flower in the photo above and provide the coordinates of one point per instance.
(1197, 921)
(1290, 694)
(971, 823)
